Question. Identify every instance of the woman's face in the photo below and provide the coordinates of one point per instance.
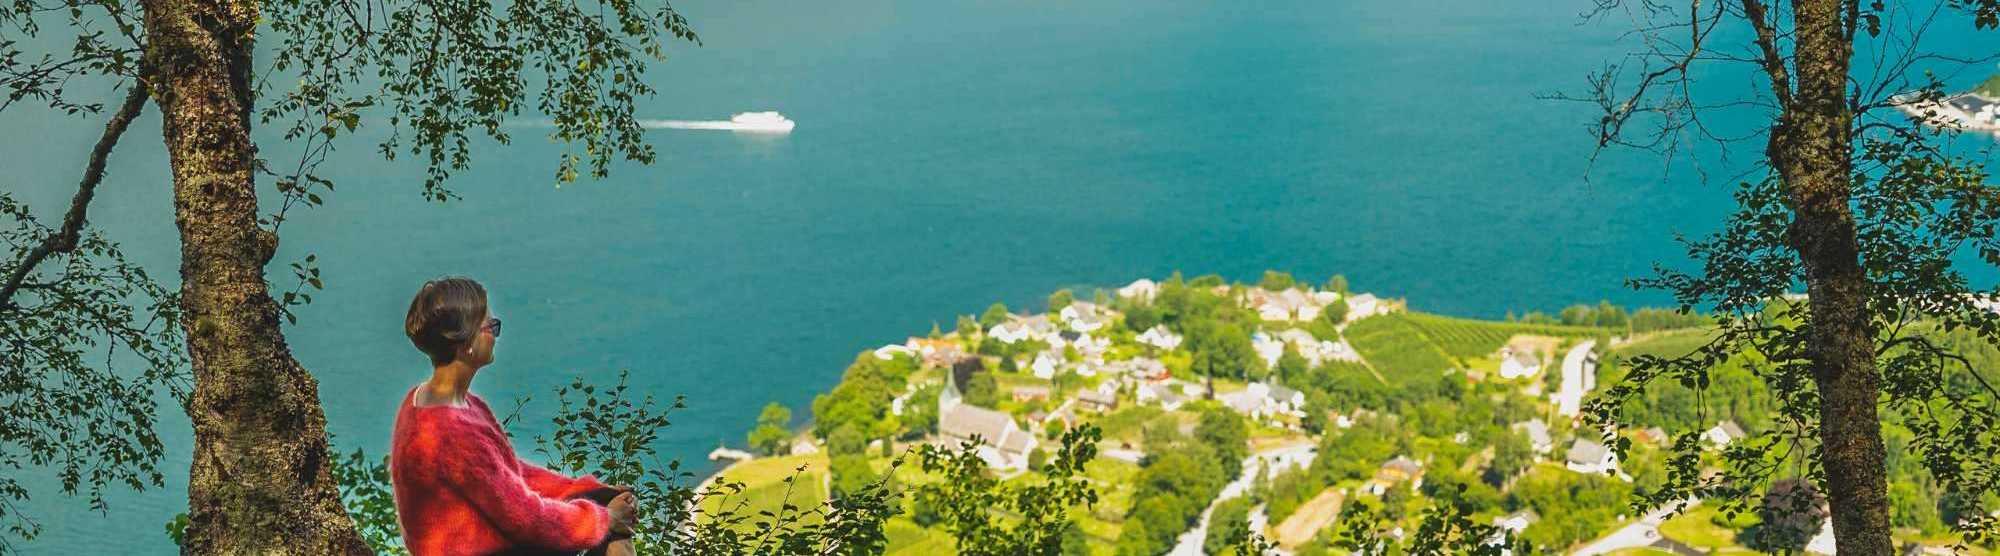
(479, 352)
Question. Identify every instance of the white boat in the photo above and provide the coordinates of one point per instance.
(747, 122)
(766, 122)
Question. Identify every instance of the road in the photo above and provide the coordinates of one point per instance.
(1569, 399)
(1297, 455)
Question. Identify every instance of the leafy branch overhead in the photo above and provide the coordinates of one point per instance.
(445, 70)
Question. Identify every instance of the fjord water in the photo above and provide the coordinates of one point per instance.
(946, 156)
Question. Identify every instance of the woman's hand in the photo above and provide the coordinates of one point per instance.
(624, 512)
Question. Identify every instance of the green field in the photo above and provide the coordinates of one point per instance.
(1467, 338)
(1396, 347)
(1696, 527)
(1666, 344)
(766, 488)
(906, 537)
(1406, 344)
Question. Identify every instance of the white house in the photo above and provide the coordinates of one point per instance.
(1158, 336)
(1139, 368)
(1268, 348)
(1091, 347)
(1008, 332)
(1517, 521)
(1084, 317)
(1160, 394)
(1140, 290)
(1045, 365)
(1287, 305)
(1260, 400)
(1518, 363)
(1537, 433)
(1037, 327)
(1360, 306)
(1396, 471)
(1723, 433)
(1586, 456)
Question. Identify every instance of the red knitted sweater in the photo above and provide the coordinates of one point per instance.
(461, 490)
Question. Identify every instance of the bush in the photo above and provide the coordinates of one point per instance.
(608, 433)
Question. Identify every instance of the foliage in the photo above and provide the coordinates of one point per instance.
(91, 421)
(365, 491)
(1224, 432)
(1788, 517)
(1877, 215)
(1448, 528)
(607, 433)
(995, 315)
(1276, 281)
(1228, 526)
(1177, 482)
(862, 398)
(1291, 367)
(852, 474)
(773, 433)
(968, 496)
(920, 411)
(1223, 351)
(1990, 88)
(1931, 387)
(1060, 300)
(1337, 284)
(1334, 314)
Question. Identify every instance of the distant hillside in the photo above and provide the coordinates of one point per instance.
(1990, 88)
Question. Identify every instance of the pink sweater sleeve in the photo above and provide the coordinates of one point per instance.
(484, 470)
(555, 485)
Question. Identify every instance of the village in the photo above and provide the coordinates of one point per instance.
(1343, 400)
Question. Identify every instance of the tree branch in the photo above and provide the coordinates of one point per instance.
(1781, 81)
(65, 239)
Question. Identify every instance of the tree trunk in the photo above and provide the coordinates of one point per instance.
(259, 483)
(1811, 149)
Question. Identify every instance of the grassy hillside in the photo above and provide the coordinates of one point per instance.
(1410, 344)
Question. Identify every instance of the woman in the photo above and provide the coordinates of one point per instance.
(460, 489)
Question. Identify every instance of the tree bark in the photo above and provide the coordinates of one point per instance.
(259, 483)
(1811, 147)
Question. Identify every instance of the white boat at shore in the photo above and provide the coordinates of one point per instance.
(745, 122)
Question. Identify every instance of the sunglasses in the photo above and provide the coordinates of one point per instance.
(493, 326)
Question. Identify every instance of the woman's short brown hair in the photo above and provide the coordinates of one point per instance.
(445, 314)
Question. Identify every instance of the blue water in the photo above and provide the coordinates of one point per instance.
(948, 156)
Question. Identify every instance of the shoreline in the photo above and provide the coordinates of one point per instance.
(1928, 113)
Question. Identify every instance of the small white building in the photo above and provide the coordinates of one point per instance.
(1158, 336)
(1045, 365)
(1286, 305)
(1139, 290)
(1261, 400)
(1516, 522)
(1723, 433)
(1394, 472)
(1268, 348)
(1586, 456)
(1516, 363)
(1161, 394)
(1084, 317)
(1538, 435)
(1364, 305)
